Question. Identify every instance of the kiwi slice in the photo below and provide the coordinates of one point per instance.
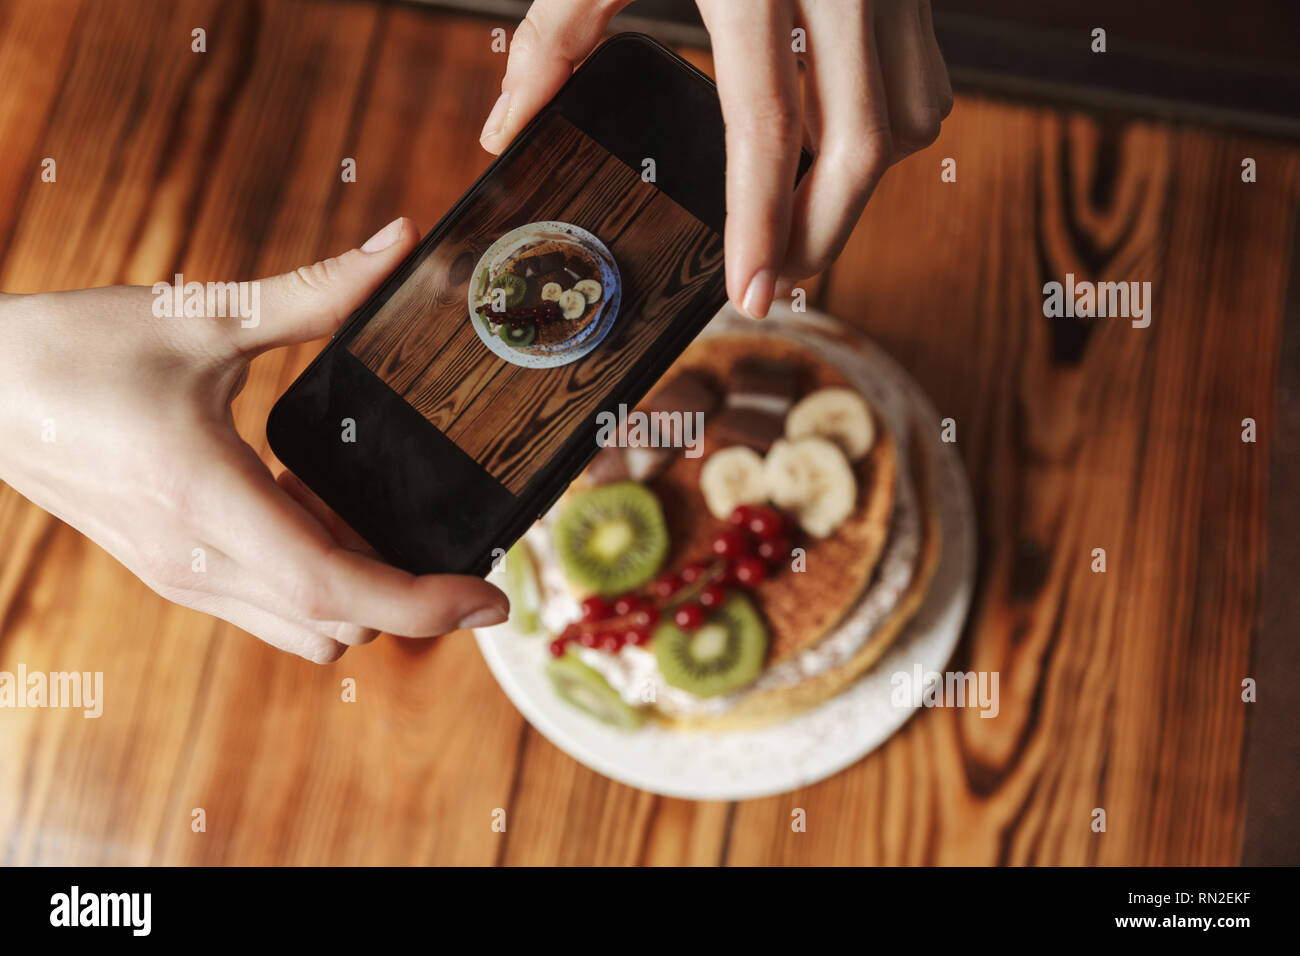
(584, 688)
(726, 652)
(517, 336)
(514, 286)
(611, 539)
(523, 588)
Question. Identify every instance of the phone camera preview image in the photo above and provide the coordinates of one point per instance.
(562, 283)
(544, 294)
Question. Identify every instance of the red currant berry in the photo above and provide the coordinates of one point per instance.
(638, 636)
(741, 514)
(557, 647)
(766, 523)
(749, 571)
(588, 638)
(646, 617)
(693, 572)
(773, 551)
(713, 595)
(625, 605)
(666, 586)
(729, 544)
(595, 608)
(611, 642)
(689, 617)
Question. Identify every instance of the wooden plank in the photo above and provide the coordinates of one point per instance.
(1272, 830)
(133, 102)
(1118, 690)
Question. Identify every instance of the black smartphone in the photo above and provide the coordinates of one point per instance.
(455, 406)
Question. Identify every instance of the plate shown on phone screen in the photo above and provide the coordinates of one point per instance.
(544, 294)
(814, 744)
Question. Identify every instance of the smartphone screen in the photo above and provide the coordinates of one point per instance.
(454, 407)
(567, 266)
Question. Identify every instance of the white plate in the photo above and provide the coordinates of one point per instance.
(739, 765)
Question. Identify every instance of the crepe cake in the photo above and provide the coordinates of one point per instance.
(547, 294)
(860, 583)
(832, 622)
(799, 607)
(848, 651)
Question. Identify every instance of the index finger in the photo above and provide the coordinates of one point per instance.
(553, 37)
(758, 85)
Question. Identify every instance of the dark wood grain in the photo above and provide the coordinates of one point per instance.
(1272, 829)
(1119, 690)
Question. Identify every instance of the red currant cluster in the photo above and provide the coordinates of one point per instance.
(608, 625)
(517, 317)
(757, 542)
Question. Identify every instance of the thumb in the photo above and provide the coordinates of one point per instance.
(313, 301)
(553, 37)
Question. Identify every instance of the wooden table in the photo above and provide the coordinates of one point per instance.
(1118, 690)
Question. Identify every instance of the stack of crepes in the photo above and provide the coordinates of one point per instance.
(852, 571)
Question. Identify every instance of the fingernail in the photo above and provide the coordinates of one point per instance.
(497, 118)
(384, 237)
(483, 617)
(758, 297)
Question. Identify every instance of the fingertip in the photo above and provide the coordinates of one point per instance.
(383, 238)
(492, 136)
(759, 292)
(354, 635)
(328, 652)
(462, 602)
(483, 617)
(410, 229)
(491, 594)
(398, 235)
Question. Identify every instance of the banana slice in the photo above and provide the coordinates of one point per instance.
(837, 414)
(572, 304)
(589, 288)
(730, 477)
(811, 478)
(551, 291)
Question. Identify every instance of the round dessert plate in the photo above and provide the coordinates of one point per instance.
(506, 248)
(811, 746)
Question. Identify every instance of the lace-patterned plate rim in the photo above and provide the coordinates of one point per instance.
(811, 746)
